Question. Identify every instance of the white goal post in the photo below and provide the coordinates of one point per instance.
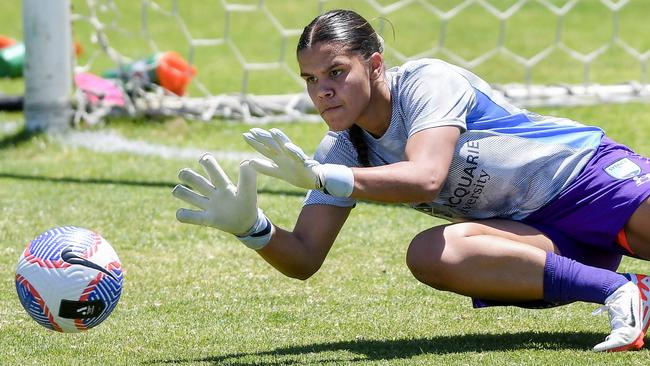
(48, 64)
(215, 28)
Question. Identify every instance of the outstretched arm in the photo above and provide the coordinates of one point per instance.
(419, 178)
(233, 209)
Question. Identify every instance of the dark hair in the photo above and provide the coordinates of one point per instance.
(345, 27)
(355, 34)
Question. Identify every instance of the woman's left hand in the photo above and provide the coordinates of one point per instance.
(290, 163)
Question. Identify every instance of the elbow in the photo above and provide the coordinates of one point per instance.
(429, 189)
(301, 276)
(305, 272)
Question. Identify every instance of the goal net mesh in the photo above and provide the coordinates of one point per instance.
(535, 52)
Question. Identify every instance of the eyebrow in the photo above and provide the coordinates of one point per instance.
(334, 65)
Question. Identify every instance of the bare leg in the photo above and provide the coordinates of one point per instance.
(492, 259)
(624, 337)
(637, 230)
(505, 261)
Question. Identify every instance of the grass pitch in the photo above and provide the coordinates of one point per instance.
(196, 296)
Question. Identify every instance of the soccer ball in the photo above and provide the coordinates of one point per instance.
(69, 279)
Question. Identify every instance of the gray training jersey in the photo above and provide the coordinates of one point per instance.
(508, 162)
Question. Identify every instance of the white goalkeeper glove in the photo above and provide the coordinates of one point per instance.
(291, 164)
(223, 205)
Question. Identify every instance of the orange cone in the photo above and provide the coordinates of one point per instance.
(6, 41)
(167, 69)
(174, 73)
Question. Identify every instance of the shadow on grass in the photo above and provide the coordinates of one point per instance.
(401, 349)
(18, 138)
(158, 184)
(23, 136)
(155, 184)
(43, 178)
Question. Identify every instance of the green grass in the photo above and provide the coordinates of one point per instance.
(195, 296)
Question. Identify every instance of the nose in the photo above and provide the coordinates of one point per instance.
(325, 91)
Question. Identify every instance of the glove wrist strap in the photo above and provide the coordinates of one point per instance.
(259, 234)
(337, 180)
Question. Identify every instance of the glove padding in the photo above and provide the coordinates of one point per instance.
(223, 205)
(290, 163)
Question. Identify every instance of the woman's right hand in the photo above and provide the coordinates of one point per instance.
(223, 205)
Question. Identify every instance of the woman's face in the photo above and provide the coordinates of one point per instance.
(338, 82)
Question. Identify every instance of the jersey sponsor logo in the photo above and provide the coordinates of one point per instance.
(623, 169)
(470, 184)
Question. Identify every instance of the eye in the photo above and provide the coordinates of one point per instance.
(336, 72)
(310, 79)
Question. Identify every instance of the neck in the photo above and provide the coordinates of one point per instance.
(376, 118)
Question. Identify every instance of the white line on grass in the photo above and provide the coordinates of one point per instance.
(112, 142)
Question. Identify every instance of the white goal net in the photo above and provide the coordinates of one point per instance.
(536, 52)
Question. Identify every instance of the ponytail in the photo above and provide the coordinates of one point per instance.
(360, 145)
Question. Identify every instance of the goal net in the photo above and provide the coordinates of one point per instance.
(242, 52)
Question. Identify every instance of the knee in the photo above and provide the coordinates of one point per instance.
(433, 255)
(424, 257)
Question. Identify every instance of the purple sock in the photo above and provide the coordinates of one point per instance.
(566, 280)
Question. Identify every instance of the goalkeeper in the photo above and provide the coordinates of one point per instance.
(541, 208)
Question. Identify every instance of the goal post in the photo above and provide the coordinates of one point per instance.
(47, 65)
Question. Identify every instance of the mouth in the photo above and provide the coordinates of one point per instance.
(330, 109)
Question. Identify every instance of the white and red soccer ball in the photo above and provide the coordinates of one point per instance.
(69, 279)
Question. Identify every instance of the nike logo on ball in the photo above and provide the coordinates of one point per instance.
(68, 256)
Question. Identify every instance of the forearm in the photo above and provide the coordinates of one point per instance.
(301, 252)
(402, 182)
(290, 256)
(419, 178)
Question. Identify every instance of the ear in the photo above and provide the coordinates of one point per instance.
(376, 65)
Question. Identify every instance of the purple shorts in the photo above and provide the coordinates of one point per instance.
(584, 220)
